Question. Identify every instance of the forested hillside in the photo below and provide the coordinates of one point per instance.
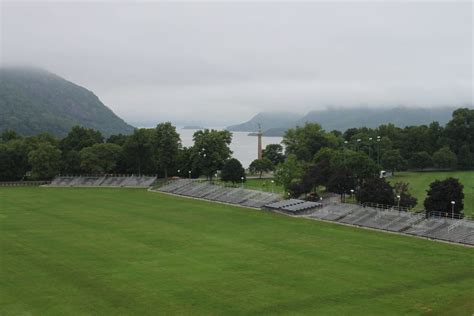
(33, 101)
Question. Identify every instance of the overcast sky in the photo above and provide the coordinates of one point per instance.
(221, 63)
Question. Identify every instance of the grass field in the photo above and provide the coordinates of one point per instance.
(420, 182)
(129, 251)
(263, 185)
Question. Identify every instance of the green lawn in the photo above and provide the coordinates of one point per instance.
(128, 251)
(263, 185)
(420, 181)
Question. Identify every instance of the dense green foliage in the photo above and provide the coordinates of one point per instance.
(100, 158)
(210, 151)
(351, 161)
(442, 194)
(232, 171)
(168, 143)
(66, 252)
(274, 153)
(83, 151)
(259, 166)
(376, 190)
(33, 101)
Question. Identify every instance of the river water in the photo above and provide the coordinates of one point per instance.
(244, 147)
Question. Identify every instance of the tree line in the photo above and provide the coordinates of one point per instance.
(349, 163)
(85, 151)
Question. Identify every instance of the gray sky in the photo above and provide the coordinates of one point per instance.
(221, 63)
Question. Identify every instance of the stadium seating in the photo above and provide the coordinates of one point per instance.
(103, 181)
(213, 192)
(455, 230)
(461, 231)
(333, 212)
(294, 206)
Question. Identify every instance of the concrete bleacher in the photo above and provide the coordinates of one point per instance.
(455, 230)
(294, 206)
(209, 191)
(406, 222)
(104, 181)
(333, 212)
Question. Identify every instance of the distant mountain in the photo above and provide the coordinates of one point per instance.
(34, 100)
(267, 120)
(343, 118)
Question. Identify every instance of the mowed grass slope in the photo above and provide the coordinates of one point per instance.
(420, 183)
(127, 251)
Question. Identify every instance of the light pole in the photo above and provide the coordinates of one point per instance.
(242, 178)
(272, 185)
(452, 208)
(379, 139)
(189, 172)
(370, 147)
(344, 151)
(179, 175)
(398, 199)
(358, 141)
(352, 193)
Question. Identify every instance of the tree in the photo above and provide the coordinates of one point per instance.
(119, 139)
(316, 175)
(138, 151)
(274, 152)
(167, 144)
(260, 166)
(44, 161)
(296, 189)
(445, 158)
(304, 142)
(441, 193)
(8, 135)
(210, 151)
(79, 138)
(289, 172)
(100, 158)
(341, 181)
(361, 166)
(460, 129)
(376, 190)
(392, 160)
(421, 160)
(71, 162)
(14, 159)
(232, 171)
(406, 199)
(465, 158)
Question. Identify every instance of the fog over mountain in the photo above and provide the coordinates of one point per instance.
(221, 63)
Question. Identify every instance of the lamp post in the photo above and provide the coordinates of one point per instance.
(352, 192)
(242, 178)
(358, 141)
(344, 151)
(452, 208)
(378, 150)
(189, 172)
(272, 185)
(398, 205)
(370, 147)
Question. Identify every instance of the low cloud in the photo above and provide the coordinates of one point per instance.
(220, 63)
